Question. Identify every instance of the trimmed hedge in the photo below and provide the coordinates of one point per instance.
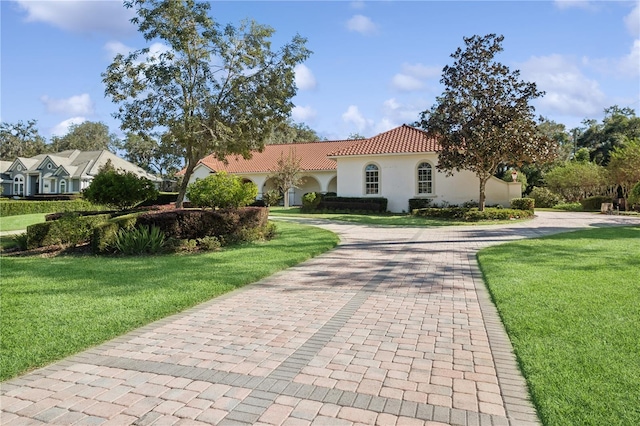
(523, 203)
(473, 214)
(20, 207)
(197, 223)
(592, 204)
(70, 229)
(163, 198)
(419, 203)
(372, 204)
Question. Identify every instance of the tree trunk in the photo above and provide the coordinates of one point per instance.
(483, 185)
(182, 192)
(286, 198)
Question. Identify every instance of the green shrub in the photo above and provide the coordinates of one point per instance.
(20, 241)
(419, 203)
(634, 194)
(105, 234)
(209, 243)
(543, 197)
(162, 199)
(20, 207)
(272, 197)
(221, 190)
(70, 229)
(523, 203)
(593, 204)
(473, 214)
(570, 207)
(137, 241)
(118, 189)
(310, 201)
(373, 204)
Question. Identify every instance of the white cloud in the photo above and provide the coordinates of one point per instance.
(632, 21)
(630, 64)
(357, 5)
(108, 17)
(406, 83)
(114, 48)
(354, 116)
(568, 90)
(75, 105)
(62, 128)
(303, 113)
(569, 4)
(401, 113)
(304, 79)
(413, 77)
(361, 24)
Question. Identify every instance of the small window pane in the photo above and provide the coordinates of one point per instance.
(425, 178)
(371, 179)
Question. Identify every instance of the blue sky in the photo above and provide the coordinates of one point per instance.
(375, 65)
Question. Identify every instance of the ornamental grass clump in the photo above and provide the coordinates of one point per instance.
(137, 241)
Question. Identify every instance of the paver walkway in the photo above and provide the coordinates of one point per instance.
(392, 327)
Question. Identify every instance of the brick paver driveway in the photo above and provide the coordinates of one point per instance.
(392, 327)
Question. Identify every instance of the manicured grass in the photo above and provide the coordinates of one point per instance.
(388, 219)
(13, 223)
(571, 306)
(54, 307)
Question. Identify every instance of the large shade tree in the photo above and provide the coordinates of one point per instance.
(211, 89)
(484, 119)
(624, 167)
(86, 136)
(20, 140)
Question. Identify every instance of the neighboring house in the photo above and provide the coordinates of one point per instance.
(65, 172)
(399, 164)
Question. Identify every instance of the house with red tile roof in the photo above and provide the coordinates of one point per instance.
(399, 164)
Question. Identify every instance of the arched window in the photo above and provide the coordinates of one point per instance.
(371, 179)
(63, 186)
(425, 178)
(18, 185)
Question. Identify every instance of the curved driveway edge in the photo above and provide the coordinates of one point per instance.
(393, 326)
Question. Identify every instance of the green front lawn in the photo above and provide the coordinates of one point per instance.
(54, 307)
(14, 223)
(571, 306)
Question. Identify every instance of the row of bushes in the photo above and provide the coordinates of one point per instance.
(472, 214)
(20, 207)
(318, 202)
(210, 228)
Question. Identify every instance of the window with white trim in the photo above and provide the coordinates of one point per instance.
(425, 178)
(371, 179)
(18, 185)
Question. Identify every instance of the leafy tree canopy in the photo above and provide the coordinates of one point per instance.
(575, 180)
(618, 126)
(291, 132)
(213, 89)
(484, 119)
(624, 166)
(20, 140)
(86, 136)
(153, 154)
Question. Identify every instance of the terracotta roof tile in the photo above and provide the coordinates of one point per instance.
(403, 139)
(320, 155)
(313, 156)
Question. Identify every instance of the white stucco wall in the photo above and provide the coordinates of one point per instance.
(398, 182)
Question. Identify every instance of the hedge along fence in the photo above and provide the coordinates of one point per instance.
(229, 226)
(20, 207)
(473, 214)
(70, 229)
(523, 203)
(372, 204)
